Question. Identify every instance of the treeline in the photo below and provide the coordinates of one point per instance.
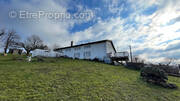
(10, 39)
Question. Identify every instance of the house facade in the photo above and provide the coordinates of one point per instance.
(100, 50)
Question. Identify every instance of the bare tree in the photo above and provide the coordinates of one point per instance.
(10, 40)
(2, 33)
(31, 43)
(169, 61)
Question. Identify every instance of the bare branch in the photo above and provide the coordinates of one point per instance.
(11, 39)
(31, 43)
(2, 32)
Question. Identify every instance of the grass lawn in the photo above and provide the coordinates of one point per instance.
(76, 80)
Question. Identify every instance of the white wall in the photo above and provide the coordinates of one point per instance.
(96, 50)
(44, 53)
(109, 47)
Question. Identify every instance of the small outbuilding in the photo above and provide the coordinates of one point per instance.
(15, 51)
(45, 53)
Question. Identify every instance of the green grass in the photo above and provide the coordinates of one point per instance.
(76, 80)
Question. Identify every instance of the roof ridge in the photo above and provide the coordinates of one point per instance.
(84, 44)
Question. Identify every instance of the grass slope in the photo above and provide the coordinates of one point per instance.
(76, 80)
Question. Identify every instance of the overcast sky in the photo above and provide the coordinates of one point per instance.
(152, 27)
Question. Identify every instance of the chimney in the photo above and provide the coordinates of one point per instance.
(71, 43)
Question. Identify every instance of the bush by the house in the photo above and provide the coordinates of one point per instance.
(96, 59)
(156, 76)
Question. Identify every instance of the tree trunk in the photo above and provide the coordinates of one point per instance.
(6, 47)
(5, 50)
(27, 53)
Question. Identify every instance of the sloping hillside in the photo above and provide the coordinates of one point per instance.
(76, 80)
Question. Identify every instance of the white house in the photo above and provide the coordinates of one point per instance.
(102, 50)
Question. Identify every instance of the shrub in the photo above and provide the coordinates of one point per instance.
(96, 60)
(154, 73)
(76, 58)
(156, 76)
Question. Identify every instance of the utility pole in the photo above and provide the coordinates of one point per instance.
(130, 52)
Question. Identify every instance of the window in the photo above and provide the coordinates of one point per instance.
(76, 55)
(87, 47)
(68, 49)
(87, 54)
(77, 48)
